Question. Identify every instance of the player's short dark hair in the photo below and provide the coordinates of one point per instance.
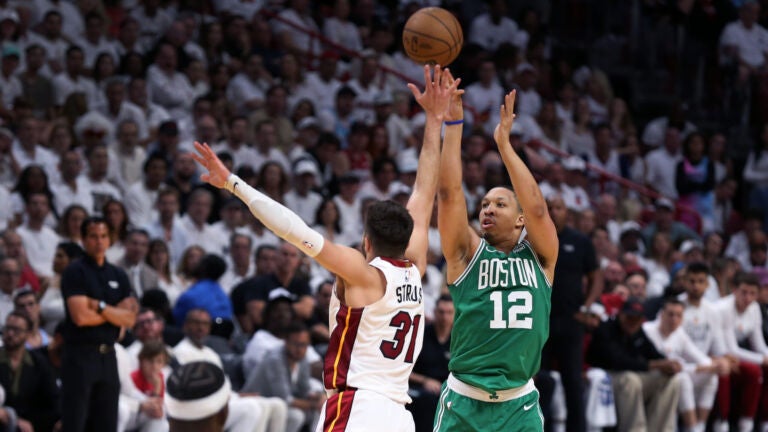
(154, 156)
(388, 226)
(697, 268)
(23, 315)
(210, 267)
(672, 301)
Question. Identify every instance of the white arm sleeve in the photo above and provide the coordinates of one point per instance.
(277, 218)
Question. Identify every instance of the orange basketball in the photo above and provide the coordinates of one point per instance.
(432, 35)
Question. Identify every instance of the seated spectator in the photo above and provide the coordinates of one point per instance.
(136, 410)
(207, 294)
(25, 300)
(10, 272)
(743, 42)
(30, 387)
(285, 372)
(756, 175)
(645, 385)
(39, 240)
(698, 380)
(158, 258)
(738, 244)
(265, 412)
(741, 322)
(318, 322)
(142, 277)
(661, 164)
(149, 327)
(431, 368)
(664, 221)
(240, 265)
(195, 226)
(149, 378)
(140, 197)
(167, 227)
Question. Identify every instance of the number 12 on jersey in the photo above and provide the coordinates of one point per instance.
(404, 324)
(515, 311)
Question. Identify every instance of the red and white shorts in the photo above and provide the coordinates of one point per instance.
(363, 411)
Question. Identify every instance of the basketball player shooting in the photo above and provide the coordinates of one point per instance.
(501, 287)
(377, 306)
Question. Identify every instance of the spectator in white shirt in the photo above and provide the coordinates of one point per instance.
(167, 226)
(240, 265)
(39, 240)
(236, 145)
(198, 231)
(698, 381)
(745, 42)
(340, 30)
(741, 321)
(168, 87)
(485, 96)
(756, 174)
(266, 147)
(73, 188)
(382, 184)
(154, 113)
(50, 38)
(73, 80)
(128, 153)
(26, 150)
(127, 40)
(661, 164)
(302, 199)
(367, 88)
(10, 275)
(154, 22)
(96, 179)
(116, 108)
(297, 40)
(655, 130)
(528, 99)
(94, 42)
(247, 89)
(493, 28)
(322, 85)
(606, 158)
(70, 16)
(141, 196)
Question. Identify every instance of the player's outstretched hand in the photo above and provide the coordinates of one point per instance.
(217, 173)
(455, 107)
(506, 119)
(437, 95)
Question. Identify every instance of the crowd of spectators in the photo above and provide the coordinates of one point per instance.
(100, 102)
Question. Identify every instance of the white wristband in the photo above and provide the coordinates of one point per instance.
(276, 217)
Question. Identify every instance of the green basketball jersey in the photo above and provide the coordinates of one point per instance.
(502, 306)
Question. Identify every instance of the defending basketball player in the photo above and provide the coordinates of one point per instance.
(501, 287)
(377, 308)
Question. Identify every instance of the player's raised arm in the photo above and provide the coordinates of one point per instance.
(541, 232)
(341, 260)
(435, 100)
(458, 240)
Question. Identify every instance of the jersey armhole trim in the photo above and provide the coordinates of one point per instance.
(538, 263)
(471, 263)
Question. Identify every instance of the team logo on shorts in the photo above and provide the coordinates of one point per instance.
(308, 244)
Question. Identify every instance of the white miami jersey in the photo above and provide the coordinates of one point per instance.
(375, 347)
(702, 324)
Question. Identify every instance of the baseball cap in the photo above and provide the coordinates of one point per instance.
(524, 67)
(629, 227)
(307, 122)
(305, 167)
(665, 203)
(196, 390)
(279, 294)
(690, 245)
(574, 163)
(168, 128)
(9, 14)
(633, 307)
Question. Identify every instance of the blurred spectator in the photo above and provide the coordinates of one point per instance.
(51, 302)
(654, 132)
(140, 197)
(36, 86)
(756, 172)
(664, 221)
(149, 327)
(119, 225)
(118, 109)
(189, 260)
(578, 130)
(168, 225)
(141, 276)
(275, 109)
(195, 224)
(431, 368)
(695, 181)
(484, 96)
(39, 240)
(265, 260)
(128, 153)
(158, 258)
(26, 149)
(168, 87)
(661, 164)
(645, 384)
(31, 389)
(494, 27)
(14, 248)
(72, 189)
(148, 378)
(240, 266)
(743, 42)
(73, 79)
(285, 373)
(267, 147)
(236, 143)
(206, 293)
(25, 300)
(12, 87)
(51, 38)
(724, 211)
(102, 189)
(154, 113)
(137, 411)
(287, 29)
(571, 313)
(33, 179)
(302, 198)
(10, 272)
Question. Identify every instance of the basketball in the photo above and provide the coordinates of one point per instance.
(432, 35)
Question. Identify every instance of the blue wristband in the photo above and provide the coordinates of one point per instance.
(455, 122)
